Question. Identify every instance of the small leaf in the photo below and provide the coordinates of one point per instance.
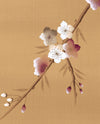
(77, 70)
(80, 77)
(63, 67)
(65, 71)
(46, 79)
(41, 52)
(81, 34)
(42, 47)
(77, 34)
(21, 90)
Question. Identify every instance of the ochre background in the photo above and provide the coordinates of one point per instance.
(21, 23)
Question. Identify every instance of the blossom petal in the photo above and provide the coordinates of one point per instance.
(60, 30)
(51, 55)
(63, 37)
(36, 61)
(52, 46)
(45, 43)
(36, 72)
(70, 28)
(64, 24)
(69, 35)
(64, 46)
(48, 36)
(42, 36)
(71, 49)
(60, 47)
(40, 65)
(57, 53)
(64, 56)
(53, 41)
(57, 60)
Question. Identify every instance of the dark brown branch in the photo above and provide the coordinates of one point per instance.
(79, 20)
(81, 16)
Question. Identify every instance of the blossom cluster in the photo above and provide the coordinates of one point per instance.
(57, 52)
(8, 99)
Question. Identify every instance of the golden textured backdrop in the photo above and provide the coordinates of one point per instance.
(21, 23)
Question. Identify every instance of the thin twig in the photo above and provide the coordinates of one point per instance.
(81, 16)
(73, 76)
(42, 47)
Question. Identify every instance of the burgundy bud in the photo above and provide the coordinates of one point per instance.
(23, 108)
(81, 91)
(80, 84)
(68, 90)
(77, 47)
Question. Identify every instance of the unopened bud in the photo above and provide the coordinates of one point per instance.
(23, 108)
(81, 91)
(68, 90)
(80, 84)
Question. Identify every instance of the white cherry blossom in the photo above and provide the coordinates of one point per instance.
(48, 36)
(57, 53)
(65, 30)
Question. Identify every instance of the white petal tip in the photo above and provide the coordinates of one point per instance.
(3, 95)
(9, 100)
(6, 104)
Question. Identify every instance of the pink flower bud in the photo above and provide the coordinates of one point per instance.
(81, 91)
(23, 108)
(77, 47)
(80, 84)
(68, 90)
(71, 48)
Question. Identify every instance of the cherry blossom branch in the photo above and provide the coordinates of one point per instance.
(40, 77)
(29, 90)
(69, 63)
